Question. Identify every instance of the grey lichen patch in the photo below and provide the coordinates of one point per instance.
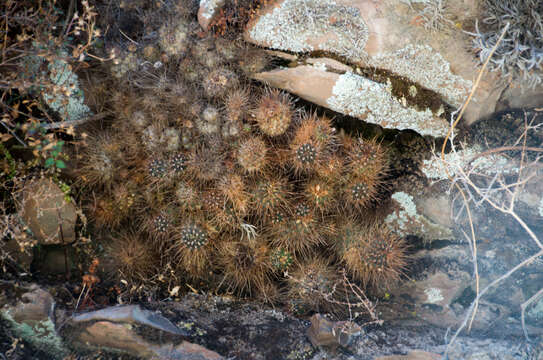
(541, 207)
(405, 220)
(467, 160)
(210, 7)
(40, 333)
(363, 98)
(426, 67)
(433, 295)
(298, 25)
(61, 91)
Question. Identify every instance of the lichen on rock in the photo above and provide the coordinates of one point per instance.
(468, 158)
(300, 25)
(426, 67)
(363, 98)
(406, 220)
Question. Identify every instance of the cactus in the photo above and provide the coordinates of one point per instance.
(246, 264)
(373, 255)
(311, 285)
(312, 145)
(273, 113)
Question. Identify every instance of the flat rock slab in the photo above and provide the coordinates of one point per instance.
(384, 35)
(354, 95)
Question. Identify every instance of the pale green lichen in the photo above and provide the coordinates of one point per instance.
(295, 24)
(209, 7)
(60, 90)
(433, 295)
(426, 67)
(541, 207)
(41, 334)
(469, 161)
(405, 220)
(366, 99)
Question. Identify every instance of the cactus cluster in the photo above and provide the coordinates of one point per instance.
(231, 185)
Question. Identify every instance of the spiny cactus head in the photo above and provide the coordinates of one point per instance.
(193, 236)
(100, 161)
(332, 169)
(281, 259)
(178, 163)
(246, 265)
(161, 224)
(306, 154)
(104, 213)
(236, 105)
(300, 232)
(187, 196)
(253, 60)
(313, 143)
(190, 249)
(157, 168)
(376, 257)
(269, 196)
(252, 155)
(219, 81)
(207, 162)
(234, 190)
(311, 283)
(320, 194)
(366, 159)
(273, 113)
(131, 257)
(360, 193)
(302, 210)
(174, 37)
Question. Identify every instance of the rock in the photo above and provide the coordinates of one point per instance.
(383, 35)
(133, 314)
(324, 332)
(121, 337)
(23, 257)
(329, 64)
(432, 298)
(207, 11)
(412, 355)
(354, 95)
(56, 259)
(44, 209)
(406, 218)
(32, 317)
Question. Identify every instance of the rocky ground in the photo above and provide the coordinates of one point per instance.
(384, 68)
(210, 327)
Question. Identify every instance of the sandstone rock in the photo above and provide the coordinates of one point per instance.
(354, 95)
(121, 337)
(208, 9)
(324, 332)
(412, 355)
(45, 211)
(133, 314)
(406, 218)
(384, 35)
(32, 318)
